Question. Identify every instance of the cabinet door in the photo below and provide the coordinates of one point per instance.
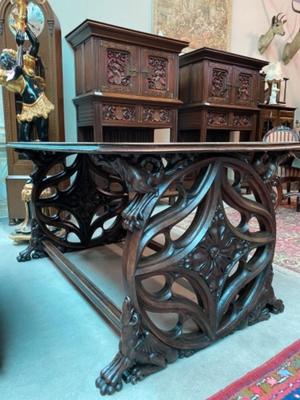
(219, 83)
(159, 73)
(245, 87)
(119, 64)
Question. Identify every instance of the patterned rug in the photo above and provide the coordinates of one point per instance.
(277, 379)
(287, 252)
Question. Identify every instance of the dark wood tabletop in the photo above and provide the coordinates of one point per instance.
(144, 148)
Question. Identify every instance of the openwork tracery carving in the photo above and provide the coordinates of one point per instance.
(85, 205)
(223, 264)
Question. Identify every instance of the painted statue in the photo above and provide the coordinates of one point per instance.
(19, 73)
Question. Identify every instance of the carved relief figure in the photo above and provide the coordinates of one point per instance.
(117, 64)
(244, 89)
(158, 73)
(219, 83)
(276, 28)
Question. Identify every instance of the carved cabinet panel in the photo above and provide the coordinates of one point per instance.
(120, 64)
(158, 73)
(245, 86)
(219, 83)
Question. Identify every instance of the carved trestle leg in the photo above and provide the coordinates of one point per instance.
(75, 204)
(211, 271)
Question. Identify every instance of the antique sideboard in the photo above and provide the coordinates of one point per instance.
(126, 83)
(220, 92)
(207, 280)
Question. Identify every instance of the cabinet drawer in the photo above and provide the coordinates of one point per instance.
(242, 120)
(157, 115)
(218, 119)
(119, 112)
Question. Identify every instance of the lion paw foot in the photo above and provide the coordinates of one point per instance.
(136, 375)
(108, 387)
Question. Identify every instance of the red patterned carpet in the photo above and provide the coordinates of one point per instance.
(278, 378)
(287, 253)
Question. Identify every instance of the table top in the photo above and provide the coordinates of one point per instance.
(154, 148)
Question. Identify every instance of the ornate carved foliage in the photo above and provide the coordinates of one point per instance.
(216, 119)
(154, 114)
(242, 120)
(113, 112)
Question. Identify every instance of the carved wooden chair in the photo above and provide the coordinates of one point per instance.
(289, 171)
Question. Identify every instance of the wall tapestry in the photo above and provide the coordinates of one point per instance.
(203, 23)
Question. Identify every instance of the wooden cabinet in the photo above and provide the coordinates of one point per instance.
(275, 115)
(126, 82)
(220, 92)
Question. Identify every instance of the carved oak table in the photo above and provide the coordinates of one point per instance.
(208, 280)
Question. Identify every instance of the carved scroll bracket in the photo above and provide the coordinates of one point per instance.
(266, 164)
(144, 176)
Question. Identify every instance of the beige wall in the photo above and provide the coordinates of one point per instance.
(250, 19)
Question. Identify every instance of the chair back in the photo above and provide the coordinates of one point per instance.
(281, 134)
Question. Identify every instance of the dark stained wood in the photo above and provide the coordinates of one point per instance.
(220, 92)
(125, 79)
(102, 30)
(215, 276)
(155, 148)
(274, 115)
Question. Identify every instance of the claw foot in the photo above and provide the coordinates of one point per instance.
(135, 376)
(276, 306)
(106, 387)
(30, 253)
